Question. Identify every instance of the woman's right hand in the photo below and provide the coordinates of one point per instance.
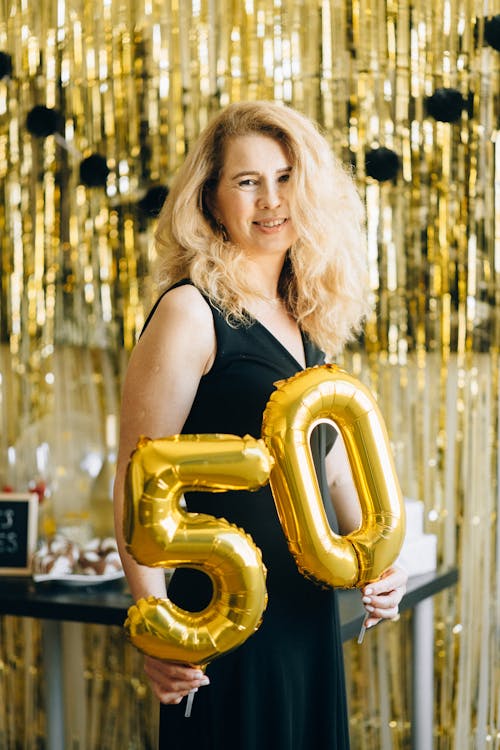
(171, 681)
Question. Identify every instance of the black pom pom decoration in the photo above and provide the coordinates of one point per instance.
(43, 121)
(154, 199)
(492, 32)
(94, 171)
(5, 65)
(382, 164)
(445, 105)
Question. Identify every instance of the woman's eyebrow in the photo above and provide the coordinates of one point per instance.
(246, 172)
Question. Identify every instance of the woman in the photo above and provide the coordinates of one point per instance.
(262, 248)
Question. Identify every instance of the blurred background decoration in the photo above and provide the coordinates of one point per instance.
(99, 102)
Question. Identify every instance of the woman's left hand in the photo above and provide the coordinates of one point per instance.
(381, 598)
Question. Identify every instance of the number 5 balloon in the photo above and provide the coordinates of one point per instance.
(325, 394)
(159, 532)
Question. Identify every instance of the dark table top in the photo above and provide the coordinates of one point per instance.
(107, 603)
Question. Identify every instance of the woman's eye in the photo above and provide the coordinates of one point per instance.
(247, 183)
(284, 178)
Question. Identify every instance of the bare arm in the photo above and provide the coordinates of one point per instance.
(381, 598)
(342, 490)
(165, 368)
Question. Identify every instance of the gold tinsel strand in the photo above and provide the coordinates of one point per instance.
(135, 82)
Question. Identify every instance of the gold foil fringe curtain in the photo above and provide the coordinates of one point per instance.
(135, 82)
(99, 102)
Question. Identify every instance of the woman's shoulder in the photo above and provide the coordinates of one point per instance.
(181, 322)
(184, 303)
(187, 296)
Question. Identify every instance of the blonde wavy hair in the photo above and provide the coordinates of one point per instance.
(324, 280)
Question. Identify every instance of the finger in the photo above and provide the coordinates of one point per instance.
(385, 602)
(170, 693)
(371, 621)
(168, 698)
(391, 579)
(183, 671)
(376, 593)
(386, 613)
(385, 585)
(174, 678)
(171, 670)
(181, 687)
(372, 618)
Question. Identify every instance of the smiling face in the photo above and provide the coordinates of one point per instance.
(252, 197)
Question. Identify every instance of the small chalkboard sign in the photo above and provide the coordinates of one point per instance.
(18, 532)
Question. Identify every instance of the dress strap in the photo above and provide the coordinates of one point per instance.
(182, 282)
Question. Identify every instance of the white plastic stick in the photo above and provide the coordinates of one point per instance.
(189, 702)
(362, 631)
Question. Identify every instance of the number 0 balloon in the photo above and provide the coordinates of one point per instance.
(328, 393)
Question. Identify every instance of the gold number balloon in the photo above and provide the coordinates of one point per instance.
(159, 532)
(320, 394)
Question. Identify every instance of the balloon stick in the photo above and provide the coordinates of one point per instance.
(189, 702)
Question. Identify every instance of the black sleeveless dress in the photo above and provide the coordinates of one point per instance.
(283, 689)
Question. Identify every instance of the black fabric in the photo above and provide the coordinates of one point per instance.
(283, 689)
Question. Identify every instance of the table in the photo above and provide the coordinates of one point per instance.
(418, 597)
(107, 605)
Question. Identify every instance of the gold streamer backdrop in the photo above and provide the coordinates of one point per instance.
(135, 82)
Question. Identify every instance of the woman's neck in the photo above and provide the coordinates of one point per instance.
(264, 278)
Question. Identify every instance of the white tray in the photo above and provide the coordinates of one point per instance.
(76, 579)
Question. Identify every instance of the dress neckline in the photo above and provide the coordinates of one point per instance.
(275, 339)
(280, 343)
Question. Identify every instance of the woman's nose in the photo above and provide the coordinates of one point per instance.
(269, 196)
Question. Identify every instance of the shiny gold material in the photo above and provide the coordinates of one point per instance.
(136, 81)
(316, 395)
(159, 532)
